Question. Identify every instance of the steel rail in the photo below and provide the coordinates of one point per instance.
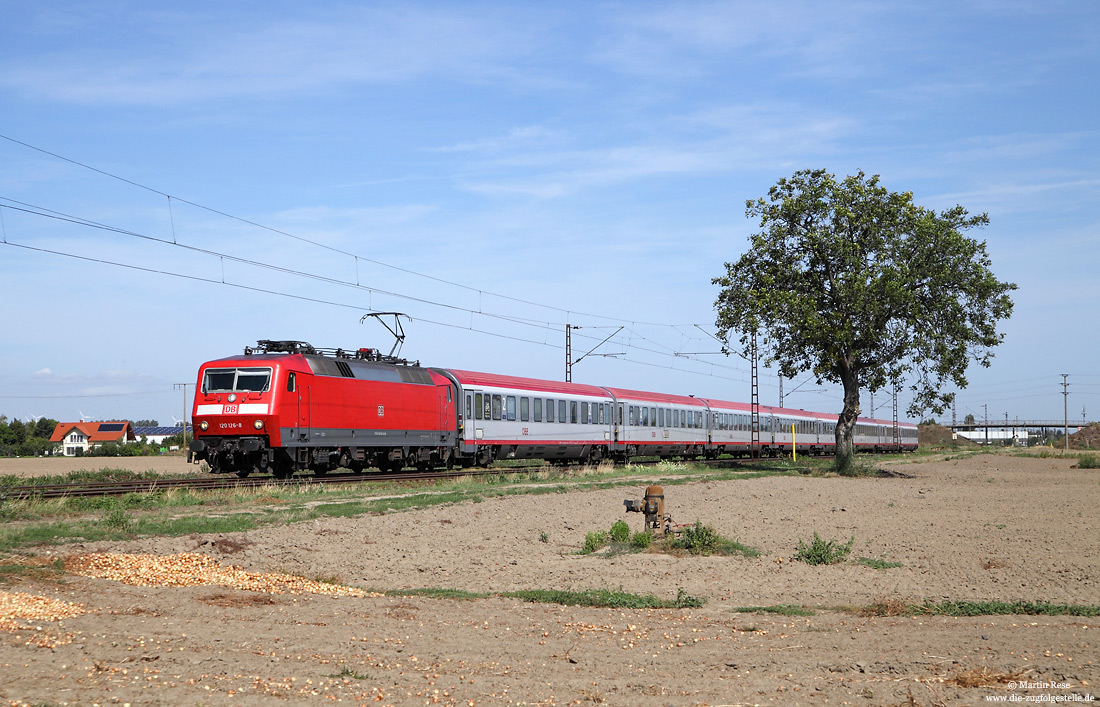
(118, 488)
(205, 483)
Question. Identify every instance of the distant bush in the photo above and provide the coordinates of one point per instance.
(1088, 461)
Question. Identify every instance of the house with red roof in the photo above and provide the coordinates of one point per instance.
(76, 438)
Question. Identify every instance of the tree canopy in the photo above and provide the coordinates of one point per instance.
(863, 288)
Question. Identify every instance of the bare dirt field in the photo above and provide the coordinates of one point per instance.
(987, 527)
(57, 466)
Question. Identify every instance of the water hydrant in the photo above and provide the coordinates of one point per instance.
(652, 506)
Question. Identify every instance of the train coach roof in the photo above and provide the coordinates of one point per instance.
(651, 397)
(792, 412)
(496, 380)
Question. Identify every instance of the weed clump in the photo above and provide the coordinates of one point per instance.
(593, 541)
(620, 532)
(699, 539)
(823, 552)
(641, 540)
(1088, 461)
(119, 520)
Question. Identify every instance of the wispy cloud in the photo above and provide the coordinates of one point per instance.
(710, 142)
(324, 50)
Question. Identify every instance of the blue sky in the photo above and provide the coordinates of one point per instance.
(497, 170)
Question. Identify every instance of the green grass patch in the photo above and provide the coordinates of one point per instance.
(823, 552)
(434, 593)
(897, 607)
(992, 608)
(781, 609)
(605, 598)
(33, 568)
(877, 563)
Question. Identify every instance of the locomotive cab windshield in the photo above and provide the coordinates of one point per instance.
(236, 380)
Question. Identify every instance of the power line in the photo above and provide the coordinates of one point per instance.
(314, 243)
(546, 326)
(36, 210)
(316, 300)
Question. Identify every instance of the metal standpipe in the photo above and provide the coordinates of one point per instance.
(652, 506)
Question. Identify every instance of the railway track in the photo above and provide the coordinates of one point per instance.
(228, 483)
(118, 488)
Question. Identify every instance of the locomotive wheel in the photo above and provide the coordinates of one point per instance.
(390, 466)
(243, 473)
(282, 469)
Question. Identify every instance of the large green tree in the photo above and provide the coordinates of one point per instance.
(864, 289)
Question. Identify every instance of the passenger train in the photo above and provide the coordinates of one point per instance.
(286, 406)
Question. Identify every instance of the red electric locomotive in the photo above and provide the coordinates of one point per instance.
(286, 405)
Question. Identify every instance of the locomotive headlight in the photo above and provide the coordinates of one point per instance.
(204, 425)
(258, 424)
(232, 397)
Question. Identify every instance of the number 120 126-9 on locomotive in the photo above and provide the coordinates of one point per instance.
(286, 406)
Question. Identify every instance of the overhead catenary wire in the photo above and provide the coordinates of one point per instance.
(654, 347)
(44, 212)
(312, 242)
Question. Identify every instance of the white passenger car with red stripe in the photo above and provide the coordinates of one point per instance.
(526, 418)
(657, 424)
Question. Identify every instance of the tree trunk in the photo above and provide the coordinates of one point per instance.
(846, 424)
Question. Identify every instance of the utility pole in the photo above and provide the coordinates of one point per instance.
(780, 391)
(569, 353)
(755, 404)
(184, 386)
(986, 406)
(1065, 406)
(897, 429)
(954, 429)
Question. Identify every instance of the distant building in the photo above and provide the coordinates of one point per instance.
(76, 438)
(157, 435)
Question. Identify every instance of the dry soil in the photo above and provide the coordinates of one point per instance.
(987, 527)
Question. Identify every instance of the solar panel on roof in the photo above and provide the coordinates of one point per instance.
(112, 426)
